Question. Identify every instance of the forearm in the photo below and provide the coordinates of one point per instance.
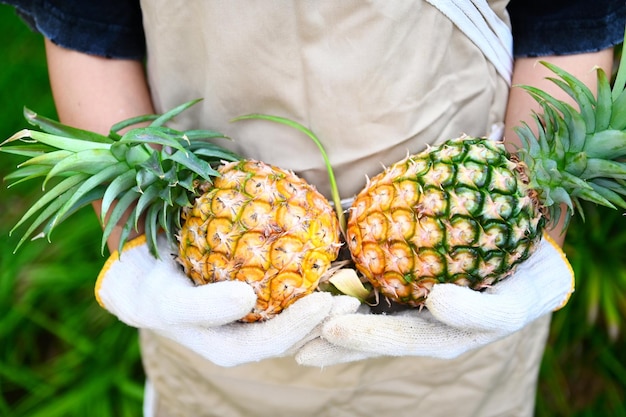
(528, 71)
(93, 93)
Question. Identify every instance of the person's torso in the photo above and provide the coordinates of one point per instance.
(374, 80)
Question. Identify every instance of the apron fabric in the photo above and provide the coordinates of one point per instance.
(374, 80)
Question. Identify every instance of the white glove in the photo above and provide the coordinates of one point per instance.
(457, 318)
(151, 293)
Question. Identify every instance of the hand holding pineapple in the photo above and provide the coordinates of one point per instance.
(457, 319)
(155, 294)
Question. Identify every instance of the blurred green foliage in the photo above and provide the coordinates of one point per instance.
(62, 355)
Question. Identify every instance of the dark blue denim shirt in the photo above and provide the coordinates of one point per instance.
(113, 28)
(561, 27)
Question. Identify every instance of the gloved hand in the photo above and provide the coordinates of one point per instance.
(145, 292)
(457, 319)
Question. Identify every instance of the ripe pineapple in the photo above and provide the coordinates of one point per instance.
(467, 212)
(262, 225)
(246, 220)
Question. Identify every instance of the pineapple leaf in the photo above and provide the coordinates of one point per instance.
(574, 121)
(119, 185)
(85, 200)
(188, 183)
(27, 173)
(63, 186)
(607, 144)
(150, 228)
(609, 195)
(557, 197)
(116, 216)
(592, 195)
(165, 195)
(576, 163)
(152, 165)
(579, 92)
(527, 137)
(163, 217)
(28, 149)
(58, 129)
(554, 136)
(212, 151)
(604, 168)
(147, 197)
(181, 199)
(603, 102)
(127, 228)
(106, 175)
(620, 78)
(54, 205)
(195, 164)
(135, 155)
(615, 186)
(201, 135)
(117, 127)
(618, 112)
(154, 136)
(59, 142)
(50, 158)
(169, 115)
(90, 161)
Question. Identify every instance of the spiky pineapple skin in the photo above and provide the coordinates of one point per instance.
(457, 213)
(262, 225)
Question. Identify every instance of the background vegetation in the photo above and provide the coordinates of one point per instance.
(62, 355)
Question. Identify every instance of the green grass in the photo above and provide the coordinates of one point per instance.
(62, 355)
(584, 368)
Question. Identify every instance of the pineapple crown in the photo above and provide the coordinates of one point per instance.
(154, 171)
(577, 154)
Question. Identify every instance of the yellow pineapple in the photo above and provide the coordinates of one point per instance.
(234, 219)
(262, 225)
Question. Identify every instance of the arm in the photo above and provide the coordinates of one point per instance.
(527, 71)
(93, 93)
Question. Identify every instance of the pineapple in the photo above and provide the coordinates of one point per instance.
(245, 220)
(468, 212)
(262, 225)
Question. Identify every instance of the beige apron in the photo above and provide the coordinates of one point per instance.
(374, 79)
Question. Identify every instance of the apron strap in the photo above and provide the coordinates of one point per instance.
(483, 27)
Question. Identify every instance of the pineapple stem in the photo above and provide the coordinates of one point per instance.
(331, 175)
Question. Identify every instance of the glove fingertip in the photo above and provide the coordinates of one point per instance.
(319, 353)
(317, 303)
(344, 304)
(450, 296)
(341, 328)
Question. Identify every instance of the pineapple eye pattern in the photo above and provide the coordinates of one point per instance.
(455, 213)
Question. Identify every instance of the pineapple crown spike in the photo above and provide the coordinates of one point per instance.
(123, 167)
(576, 153)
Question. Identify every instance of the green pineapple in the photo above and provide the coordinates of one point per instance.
(468, 212)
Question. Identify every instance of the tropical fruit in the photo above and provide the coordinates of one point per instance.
(234, 219)
(468, 212)
(262, 225)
